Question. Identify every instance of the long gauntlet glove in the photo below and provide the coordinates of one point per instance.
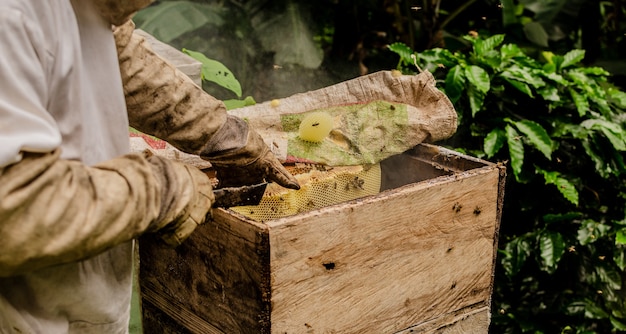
(57, 211)
(165, 103)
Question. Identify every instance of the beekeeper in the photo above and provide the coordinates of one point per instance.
(71, 198)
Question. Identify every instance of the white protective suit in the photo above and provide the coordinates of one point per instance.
(71, 57)
(71, 200)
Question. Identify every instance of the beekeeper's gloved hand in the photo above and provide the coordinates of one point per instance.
(186, 199)
(56, 211)
(241, 157)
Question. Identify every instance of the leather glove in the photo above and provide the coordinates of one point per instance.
(186, 199)
(251, 163)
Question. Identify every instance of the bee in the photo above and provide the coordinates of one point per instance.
(457, 207)
(355, 183)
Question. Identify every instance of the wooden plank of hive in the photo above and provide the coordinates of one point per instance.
(217, 281)
(387, 262)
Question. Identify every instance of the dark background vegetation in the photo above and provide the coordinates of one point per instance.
(545, 95)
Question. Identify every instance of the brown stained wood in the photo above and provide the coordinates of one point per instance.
(386, 262)
(219, 274)
(166, 315)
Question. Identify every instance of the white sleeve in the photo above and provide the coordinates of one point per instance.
(25, 124)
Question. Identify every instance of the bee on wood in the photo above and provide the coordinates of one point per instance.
(457, 207)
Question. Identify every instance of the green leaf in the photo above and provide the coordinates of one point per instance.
(476, 99)
(214, 71)
(517, 252)
(561, 217)
(478, 77)
(234, 104)
(550, 93)
(619, 253)
(455, 83)
(613, 132)
(572, 58)
(595, 71)
(590, 231)
(601, 166)
(494, 141)
(581, 102)
(403, 50)
(616, 138)
(482, 47)
(521, 86)
(516, 150)
(435, 57)
(510, 51)
(618, 323)
(620, 237)
(600, 104)
(617, 97)
(552, 247)
(565, 187)
(523, 75)
(593, 311)
(580, 79)
(536, 135)
(555, 77)
(535, 33)
(608, 276)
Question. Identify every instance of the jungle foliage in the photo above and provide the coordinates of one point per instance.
(526, 80)
(562, 128)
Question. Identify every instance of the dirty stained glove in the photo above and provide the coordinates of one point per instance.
(241, 157)
(186, 199)
(55, 211)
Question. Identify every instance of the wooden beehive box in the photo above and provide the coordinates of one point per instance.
(416, 258)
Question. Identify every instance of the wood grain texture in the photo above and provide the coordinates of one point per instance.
(473, 319)
(386, 262)
(220, 274)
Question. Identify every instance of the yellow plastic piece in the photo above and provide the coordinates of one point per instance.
(320, 187)
(315, 127)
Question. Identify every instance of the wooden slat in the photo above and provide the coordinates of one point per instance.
(177, 311)
(221, 274)
(386, 262)
(473, 319)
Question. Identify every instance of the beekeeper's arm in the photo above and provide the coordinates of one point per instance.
(164, 102)
(55, 211)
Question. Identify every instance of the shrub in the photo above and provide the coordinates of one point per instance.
(560, 126)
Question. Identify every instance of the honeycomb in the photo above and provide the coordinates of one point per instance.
(320, 186)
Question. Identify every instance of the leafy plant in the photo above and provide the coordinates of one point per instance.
(215, 72)
(562, 129)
